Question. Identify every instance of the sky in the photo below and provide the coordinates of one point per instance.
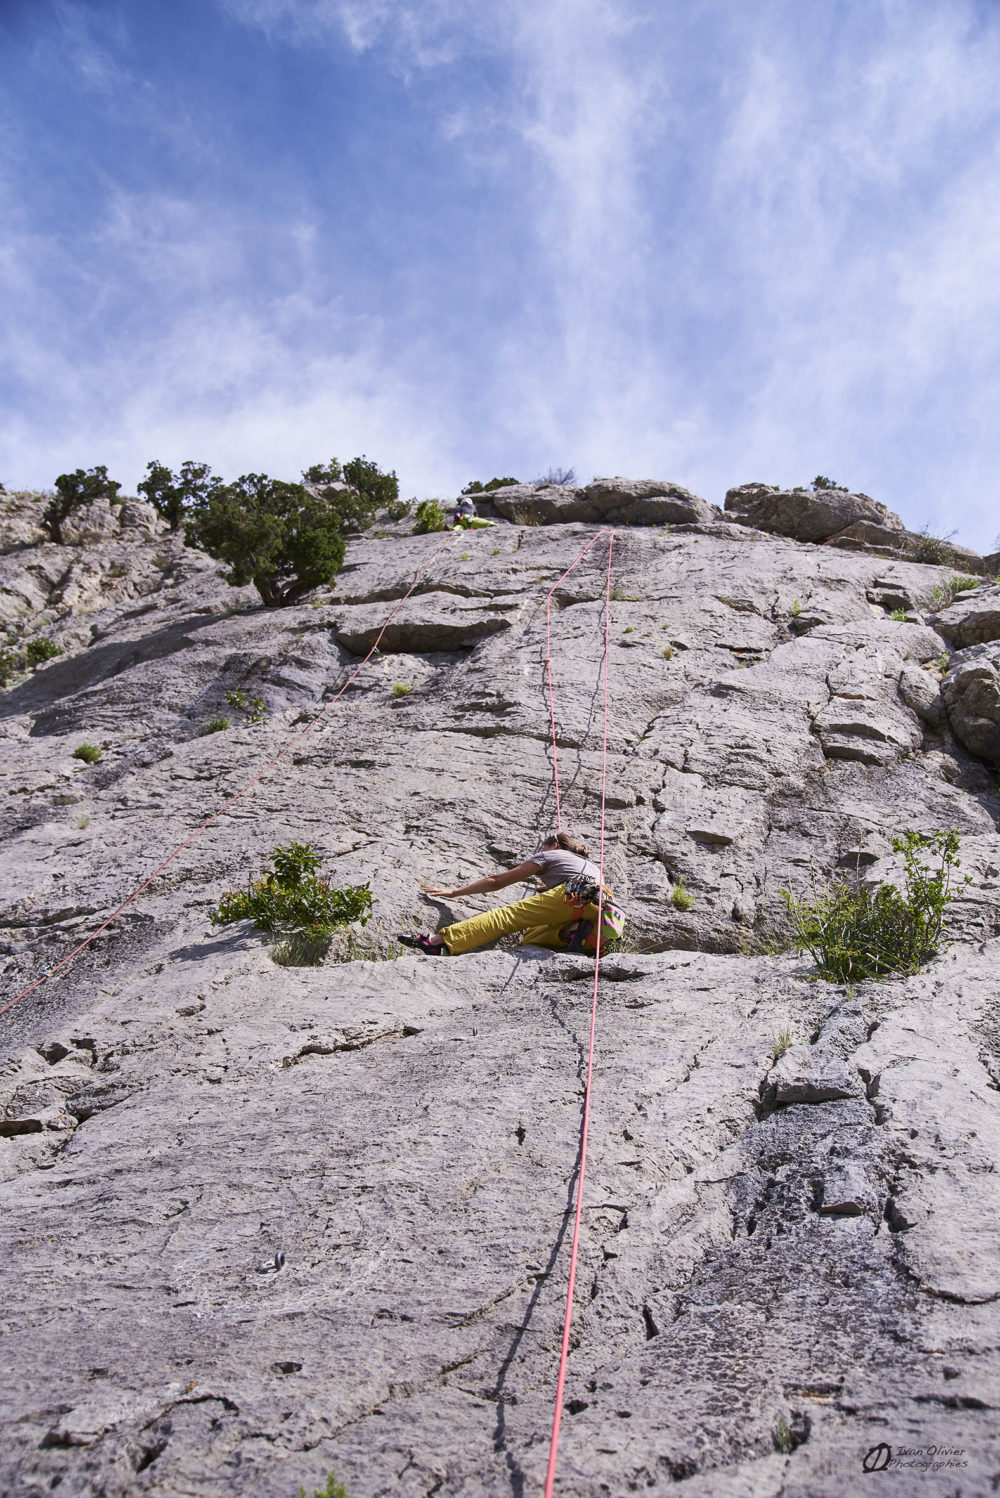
(674, 239)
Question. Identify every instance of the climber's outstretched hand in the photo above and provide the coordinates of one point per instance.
(432, 889)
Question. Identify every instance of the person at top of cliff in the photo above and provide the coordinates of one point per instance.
(466, 516)
(563, 915)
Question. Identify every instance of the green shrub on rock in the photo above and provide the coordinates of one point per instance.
(855, 931)
(172, 497)
(430, 517)
(73, 491)
(89, 753)
(294, 900)
(273, 534)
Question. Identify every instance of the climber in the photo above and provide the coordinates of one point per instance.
(565, 877)
(465, 517)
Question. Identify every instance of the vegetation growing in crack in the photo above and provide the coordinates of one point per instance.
(89, 753)
(680, 897)
(944, 593)
(254, 707)
(15, 662)
(855, 930)
(293, 900)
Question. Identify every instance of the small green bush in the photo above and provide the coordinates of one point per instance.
(72, 491)
(89, 753)
(822, 482)
(216, 725)
(855, 931)
(401, 688)
(899, 615)
(398, 509)
(781, 1043)
(333, 1489)
(16, 662)
(796, 608)
(930, 548)
(430, 517)
(254, 707)
(681, 898)
(477, 488)
(293, 900)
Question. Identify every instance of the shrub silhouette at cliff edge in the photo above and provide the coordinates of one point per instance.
(73, 491)
(275, 535)
(855, 931)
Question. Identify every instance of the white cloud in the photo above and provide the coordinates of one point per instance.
(757, 242)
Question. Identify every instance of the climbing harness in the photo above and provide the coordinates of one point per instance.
(550, 1474)
(51, 972)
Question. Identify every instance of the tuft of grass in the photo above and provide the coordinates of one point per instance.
(899, 615)
(667, 652)
(784, 1441)
(466, 556)
(496, 551)
(619, 594)
(781, 1043)
(215, 725)
(944, 593)
(629, 630)
(796, 609)
(402, 688)
(83, 820)
(681, 898)
(89, 753)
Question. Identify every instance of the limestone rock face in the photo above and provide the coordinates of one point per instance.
(971, 691)
(973, 619)
(810, 515)
(98, 521)
(265, 1222)
(620, 501)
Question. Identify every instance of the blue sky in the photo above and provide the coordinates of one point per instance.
(685, 239)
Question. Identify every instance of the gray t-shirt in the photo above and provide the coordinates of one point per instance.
(558, 865)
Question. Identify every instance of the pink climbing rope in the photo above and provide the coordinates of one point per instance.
(550, 1475)
(548, 660)
(232, 799)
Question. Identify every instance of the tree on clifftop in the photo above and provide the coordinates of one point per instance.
(173, 497)
(275, 535)
(73, 490)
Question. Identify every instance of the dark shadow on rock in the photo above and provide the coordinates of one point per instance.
(102, 662)
(238, 941)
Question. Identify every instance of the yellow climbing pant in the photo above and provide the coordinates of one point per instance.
(541, 917)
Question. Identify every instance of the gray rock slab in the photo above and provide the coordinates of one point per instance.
(971, 692)
(268, 1222)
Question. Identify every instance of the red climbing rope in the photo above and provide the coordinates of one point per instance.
(232, 799)
(548, 660)
(550, 1475)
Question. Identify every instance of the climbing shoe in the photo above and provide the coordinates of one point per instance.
(423, 943)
